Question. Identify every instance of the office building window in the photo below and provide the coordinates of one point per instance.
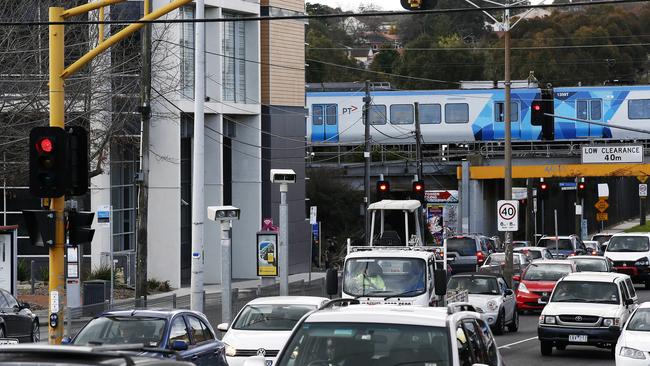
(124, 193)
(234, 60)
(187, 53)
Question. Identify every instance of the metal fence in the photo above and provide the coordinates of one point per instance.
(76, 318)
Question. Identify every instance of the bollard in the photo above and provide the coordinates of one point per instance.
(174, 300)
(203, 300)
(32, 270)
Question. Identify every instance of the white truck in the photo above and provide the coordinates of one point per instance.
(391, 269)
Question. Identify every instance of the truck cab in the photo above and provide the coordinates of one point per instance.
(395, 223)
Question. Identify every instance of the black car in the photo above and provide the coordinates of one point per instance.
(187, 332)
(16, 320)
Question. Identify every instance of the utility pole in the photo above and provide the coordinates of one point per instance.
(284, 241)
(143, 181)
(578, 218)
(507, 273)
(367, 158)
(418, 142)
(198, 175)
(530, 213)
(58, 74)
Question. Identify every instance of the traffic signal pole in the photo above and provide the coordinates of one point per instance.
(508, 270)
(58, 74)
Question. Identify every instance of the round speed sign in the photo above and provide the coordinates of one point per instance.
(507, 211)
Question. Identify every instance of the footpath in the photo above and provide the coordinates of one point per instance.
(621, 226)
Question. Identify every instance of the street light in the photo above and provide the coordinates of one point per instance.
(284, 177)
(225, 215)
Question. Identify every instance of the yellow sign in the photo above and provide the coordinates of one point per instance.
(602, 216)
(267, 254)
(602, 205)
(642, 178)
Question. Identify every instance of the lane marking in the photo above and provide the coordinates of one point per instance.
(518, 342)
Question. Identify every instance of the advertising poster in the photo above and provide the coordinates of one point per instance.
(435, 223)
(267, 254)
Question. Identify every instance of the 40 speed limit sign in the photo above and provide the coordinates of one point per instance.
(508, 215)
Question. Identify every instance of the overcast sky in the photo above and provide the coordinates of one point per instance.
(384, 4)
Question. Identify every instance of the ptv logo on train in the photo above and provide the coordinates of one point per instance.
(349, 110)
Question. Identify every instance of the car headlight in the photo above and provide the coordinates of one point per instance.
(608, 322)
(632, 353)
(642, 262)
(546, 319)
(231, 351)
(523, 288)
(492, 305)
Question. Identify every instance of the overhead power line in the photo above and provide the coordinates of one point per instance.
(326, 16)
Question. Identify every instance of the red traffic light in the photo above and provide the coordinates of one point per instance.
(537, 107)
(418, 187)
(383, 187)
(45, 145)
(581, 186)
(543, 186)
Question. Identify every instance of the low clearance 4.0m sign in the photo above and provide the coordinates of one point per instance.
(603, 154)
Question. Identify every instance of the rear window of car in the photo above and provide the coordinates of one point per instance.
(546, 272)
(462, 246)
(532, 254)
(562, 244)
(590, 265)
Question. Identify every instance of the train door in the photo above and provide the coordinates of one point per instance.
(515, 120)
(592, 110)
(331, 123)
(324, 123)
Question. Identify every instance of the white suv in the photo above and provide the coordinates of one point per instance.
(586, 309)
(388, 335)
(630, 253)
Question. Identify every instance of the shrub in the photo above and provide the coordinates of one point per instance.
(100, 273)
(23, 270)
(44, 273)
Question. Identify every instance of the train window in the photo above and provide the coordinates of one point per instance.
(456, 113)
(401, 114)
(638, 109)
(499, 111)
(330, 114)
(317, 115)
(377, 115)
(591, 109)
(430, 114)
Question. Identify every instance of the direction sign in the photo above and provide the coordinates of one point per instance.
(602, 154)
(643, 190)
(508, 215)
(602, 216)
(602, 205)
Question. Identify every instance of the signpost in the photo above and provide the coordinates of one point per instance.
(643, 193)
(508, 215)
(602, 205)
(603, 154)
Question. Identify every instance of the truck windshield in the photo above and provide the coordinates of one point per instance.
(562, 244)
(590, 292)
(384, 277)
(628, 244)
(361, 344)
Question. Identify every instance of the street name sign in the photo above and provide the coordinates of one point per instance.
(508, 215)
(603, 154)
(601, 205)
(643, 190)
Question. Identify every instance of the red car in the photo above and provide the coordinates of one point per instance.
(538, 280)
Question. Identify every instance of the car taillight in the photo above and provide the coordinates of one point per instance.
(480, 257)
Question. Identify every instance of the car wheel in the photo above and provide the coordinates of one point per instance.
(514, 326)
(36, 332)
(561, 347)
(500, 324)
(546, 348)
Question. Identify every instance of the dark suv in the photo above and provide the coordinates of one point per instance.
(466, 253)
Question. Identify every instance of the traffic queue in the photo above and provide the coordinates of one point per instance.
(399, 306)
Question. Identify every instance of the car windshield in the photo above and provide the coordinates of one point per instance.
(601, 239)
(591, 265)
(586, 291)
(384, 277)
(546, 272)
(562, 244)
(120, 330)
(270, 316)
(500, 258)
(365, 344)
(628, 244)
(462, 246)
(640, 321)
(474, 285)
(532, 254)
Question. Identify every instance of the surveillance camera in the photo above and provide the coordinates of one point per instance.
(223, 213)
(283, 176)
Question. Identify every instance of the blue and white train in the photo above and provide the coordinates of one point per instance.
(462, 116)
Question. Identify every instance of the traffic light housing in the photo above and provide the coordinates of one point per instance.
(417, 190)
(77, 162)
(40, 226)
(418, 4)
(539, 109)
(383, 189)
(581, 188)
(79, 231)
(48, 150)
(542, 190)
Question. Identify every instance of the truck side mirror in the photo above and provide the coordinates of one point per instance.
(440, 281)
(332, 282)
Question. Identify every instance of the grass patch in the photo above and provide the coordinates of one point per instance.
(639, 228)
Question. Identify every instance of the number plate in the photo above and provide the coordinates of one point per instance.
(5, 341)
(578, 338)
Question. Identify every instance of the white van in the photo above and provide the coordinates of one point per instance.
(630, 254)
